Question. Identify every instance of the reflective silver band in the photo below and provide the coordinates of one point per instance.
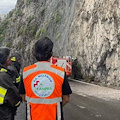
(28, 112)
(41, 67)
(2, 96)
(43, 101)
(59, 111)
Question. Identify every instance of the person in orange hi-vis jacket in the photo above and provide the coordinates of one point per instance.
(45, 87)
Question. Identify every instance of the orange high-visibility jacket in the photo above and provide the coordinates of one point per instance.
(43, 86)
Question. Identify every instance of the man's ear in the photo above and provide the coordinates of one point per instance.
(7, 62)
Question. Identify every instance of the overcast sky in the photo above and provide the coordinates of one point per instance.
(7, 5)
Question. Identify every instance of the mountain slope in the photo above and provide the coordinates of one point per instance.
(85, 29)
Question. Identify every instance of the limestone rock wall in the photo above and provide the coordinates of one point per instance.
(95, 39)
(88, 30)
(32, 19)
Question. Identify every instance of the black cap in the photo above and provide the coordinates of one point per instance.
(16, 55)
(4, 54)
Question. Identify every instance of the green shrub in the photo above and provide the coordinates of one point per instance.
(33, 30)
(8, 44)
(3, 27)
(28, 2)
(30, 19)
(57, 17)
(43, 31)
(37, 35)
(58, 36)
(19, 13)
(10, 14)
(27, 31)
(1, 37)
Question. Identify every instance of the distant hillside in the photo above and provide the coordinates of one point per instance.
(2, 16)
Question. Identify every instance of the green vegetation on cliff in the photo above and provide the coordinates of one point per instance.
(3, 28)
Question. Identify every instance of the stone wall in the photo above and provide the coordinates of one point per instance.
(88, 30)
(95, 39)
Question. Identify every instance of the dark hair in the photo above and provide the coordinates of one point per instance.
(42, 49)
(4, 54)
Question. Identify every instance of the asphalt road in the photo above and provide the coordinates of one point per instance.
(88, 102)
(91, 108)
(21, 112)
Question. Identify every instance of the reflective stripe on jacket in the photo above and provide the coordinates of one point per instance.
(9, 94)
(18, 79)
(2, 94)
(3, 90)
(43, 85)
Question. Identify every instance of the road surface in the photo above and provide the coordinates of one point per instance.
(85, 108)
(88, 102)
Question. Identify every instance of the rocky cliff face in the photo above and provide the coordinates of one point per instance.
(95, 39)
(2, 16)
(33, 19)
(85, 29)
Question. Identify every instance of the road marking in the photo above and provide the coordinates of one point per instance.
(97, 115)
(84, 82)
(81, 94)
(82, 107)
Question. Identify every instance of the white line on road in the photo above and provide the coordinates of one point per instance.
(82, 107)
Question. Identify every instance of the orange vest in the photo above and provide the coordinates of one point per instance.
(43, 86)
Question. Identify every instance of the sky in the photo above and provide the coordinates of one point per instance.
(7, 5)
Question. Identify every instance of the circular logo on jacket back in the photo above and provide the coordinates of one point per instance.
(43, 85)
